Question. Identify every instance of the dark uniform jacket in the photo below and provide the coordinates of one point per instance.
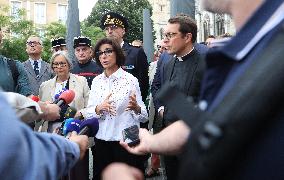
(136, 63)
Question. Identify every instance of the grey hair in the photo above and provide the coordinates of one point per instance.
(65, 55)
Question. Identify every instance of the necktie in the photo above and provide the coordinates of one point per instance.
(36, 68)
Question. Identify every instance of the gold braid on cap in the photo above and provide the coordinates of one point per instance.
(113, 21)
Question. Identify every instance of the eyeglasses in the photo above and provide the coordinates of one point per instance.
(169, 35)
(112, 27)
(35, 43)
(60, 64)
(107, 52)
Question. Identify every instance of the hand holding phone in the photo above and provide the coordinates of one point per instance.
(131, 135)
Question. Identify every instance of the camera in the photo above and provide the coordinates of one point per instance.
(131, 135)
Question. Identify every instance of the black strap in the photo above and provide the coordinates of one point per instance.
(14, 70)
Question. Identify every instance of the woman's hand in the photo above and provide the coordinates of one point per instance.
(132, 105)
(106, 106)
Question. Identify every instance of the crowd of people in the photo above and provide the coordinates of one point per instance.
(215, 108)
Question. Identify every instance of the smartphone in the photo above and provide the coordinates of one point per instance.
(131, 135)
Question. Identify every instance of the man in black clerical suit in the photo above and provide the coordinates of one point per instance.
(185, 69)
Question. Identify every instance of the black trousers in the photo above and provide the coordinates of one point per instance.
(106, 152)
(172, 167)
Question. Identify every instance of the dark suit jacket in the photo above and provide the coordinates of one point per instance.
(45, 74)
(194, 68)
(136, 64)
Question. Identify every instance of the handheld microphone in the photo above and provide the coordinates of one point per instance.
(56, 96)
(65, 98)
(71, 125)
(89, 127)
(70, 112)
(34, 98)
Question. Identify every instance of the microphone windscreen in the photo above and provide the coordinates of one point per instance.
(70, 112)
(34, 98)
(70, 125)
(92, 124)
(56, 96)
(67, 96)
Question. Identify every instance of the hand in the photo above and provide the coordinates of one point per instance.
(82, 141)
(132, 105)
(78, 115)
(117, 171)
(51, 112)
(106, 106)
(144, 145)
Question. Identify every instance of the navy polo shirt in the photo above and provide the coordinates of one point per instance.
(265, 157)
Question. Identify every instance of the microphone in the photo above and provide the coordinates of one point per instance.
(56, 96)
(70, 112)
(65, 98)
(70, 125)
(34, 98)
(89, 127)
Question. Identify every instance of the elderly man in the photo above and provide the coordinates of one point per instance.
(85, 66)
(38, 70)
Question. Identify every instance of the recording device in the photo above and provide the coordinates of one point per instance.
(70, 113)
(34, 98)
(131, 135)
(89, 127)
(65, 98)
(56, 96)
(70, 125)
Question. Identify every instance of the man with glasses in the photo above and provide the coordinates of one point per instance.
(38, 70)
(13, 77)
(185, 69)
(85, 66)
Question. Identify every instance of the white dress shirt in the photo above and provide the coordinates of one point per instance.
(121, 84)
(39, 64)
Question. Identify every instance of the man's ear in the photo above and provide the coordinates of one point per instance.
(188, 36)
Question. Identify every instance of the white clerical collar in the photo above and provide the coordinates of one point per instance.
(180, 58)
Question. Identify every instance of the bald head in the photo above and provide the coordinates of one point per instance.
(240, 10)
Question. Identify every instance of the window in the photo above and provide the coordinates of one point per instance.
(62, 13)
(15, 7)
(40, 13)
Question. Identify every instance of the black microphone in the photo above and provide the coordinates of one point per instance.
(65, 98)
(89, 127)
(70, 112)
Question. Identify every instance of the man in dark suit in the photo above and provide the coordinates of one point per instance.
(136, 63)
(185, 69)
(38, 70)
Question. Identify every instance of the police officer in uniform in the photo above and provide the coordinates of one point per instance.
(58, 44)
(85, 66)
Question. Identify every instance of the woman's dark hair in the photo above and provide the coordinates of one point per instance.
(120, 57)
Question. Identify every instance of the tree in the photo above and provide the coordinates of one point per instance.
(95, 33)
(17, 31)
(131, 9)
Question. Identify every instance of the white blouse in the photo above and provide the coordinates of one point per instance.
(121, 84)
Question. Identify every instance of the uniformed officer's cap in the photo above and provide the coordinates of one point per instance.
(58, 42)
(112, 18)
(82, 41)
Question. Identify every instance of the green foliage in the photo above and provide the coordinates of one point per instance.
(52, 30)
(131, 9)
(95, 33)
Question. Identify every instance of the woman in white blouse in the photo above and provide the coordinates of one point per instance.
(61, 65)
(115, 99)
